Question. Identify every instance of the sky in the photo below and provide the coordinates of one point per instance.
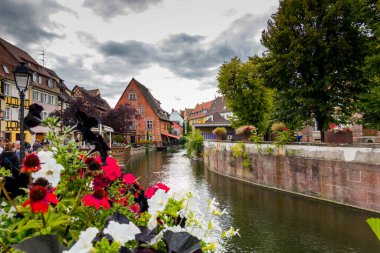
(174, 47)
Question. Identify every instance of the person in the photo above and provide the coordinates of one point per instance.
(10, 161)
(17, 148)
(1, 145)
(36, 145)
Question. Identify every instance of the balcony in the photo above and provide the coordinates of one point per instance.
(15, 102)
(12, 125)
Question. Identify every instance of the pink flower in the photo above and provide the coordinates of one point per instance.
(111, 170)
(163, 186)
(129, 179)
(134, 208)
(150, 191)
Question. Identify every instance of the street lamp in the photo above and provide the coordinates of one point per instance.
(22, 78)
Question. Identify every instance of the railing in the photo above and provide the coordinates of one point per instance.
(13, 101)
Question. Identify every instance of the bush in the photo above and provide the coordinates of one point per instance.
(118, 138)
(220, 131)
(194, 143)
(283, 138)
(278, 127)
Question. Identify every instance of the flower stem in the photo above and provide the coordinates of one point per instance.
(7, 195)
(43, 220)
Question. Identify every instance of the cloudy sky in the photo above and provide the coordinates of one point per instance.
(174, 47)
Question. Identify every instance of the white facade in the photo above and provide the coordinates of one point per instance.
(176, 117)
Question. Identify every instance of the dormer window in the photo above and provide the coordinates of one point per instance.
(35, 77)
(6, 69)
(132, 96)
(50, 83)
(39, 79)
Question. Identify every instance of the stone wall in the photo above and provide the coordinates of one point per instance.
(345, 175)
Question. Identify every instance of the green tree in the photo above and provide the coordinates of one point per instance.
(183, 128)
(244, 91)
(188, 127)
(369, 103)
(316, 50)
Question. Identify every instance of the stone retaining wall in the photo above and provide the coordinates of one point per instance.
(345, 175)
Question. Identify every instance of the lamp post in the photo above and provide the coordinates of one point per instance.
(22, 78)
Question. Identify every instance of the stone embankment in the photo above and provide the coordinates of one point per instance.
(344, 175)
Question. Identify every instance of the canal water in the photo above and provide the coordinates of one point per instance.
(269, 221)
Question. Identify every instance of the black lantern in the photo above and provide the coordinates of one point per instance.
(22, 78)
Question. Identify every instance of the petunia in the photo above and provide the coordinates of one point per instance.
(84, 244)
(134, 208)
(158, 202)
(129, 179)
(40, 198)
(31, 163)
(122, 233)
(50, 169)
(97, 199)
(111, 170)
(163, 186)
(150, 191)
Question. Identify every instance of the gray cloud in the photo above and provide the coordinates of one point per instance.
(112, 8)
(230, 12)
(187, 56)
(28, 22)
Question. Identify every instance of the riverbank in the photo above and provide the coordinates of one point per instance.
(346, 175)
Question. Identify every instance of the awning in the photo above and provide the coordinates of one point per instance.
(171, 135)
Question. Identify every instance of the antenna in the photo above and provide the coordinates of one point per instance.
(43, 57)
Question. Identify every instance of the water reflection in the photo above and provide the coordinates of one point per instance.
(269, 221)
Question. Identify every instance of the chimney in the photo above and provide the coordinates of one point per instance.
(172, 110)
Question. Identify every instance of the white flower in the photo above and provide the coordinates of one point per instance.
(50, 169)
(10, 213)
(158, 202)
(84, 244)
(122, 233)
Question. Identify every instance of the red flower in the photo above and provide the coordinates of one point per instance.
(31, 163)
(39, 199)
(332, 126)
(163, 186)
(111, 170)
(134, 208)
(100, 182)
(150, 191)
(97, 199)
(129, 179)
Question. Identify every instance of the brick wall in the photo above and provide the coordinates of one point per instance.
(349, 179)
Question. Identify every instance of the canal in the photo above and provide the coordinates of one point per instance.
(269, 221)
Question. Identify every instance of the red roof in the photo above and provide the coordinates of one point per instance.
(200, 110)
(171, 135)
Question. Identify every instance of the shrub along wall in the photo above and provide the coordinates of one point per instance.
(345, 175)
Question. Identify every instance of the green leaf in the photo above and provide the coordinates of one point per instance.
(374, 223)
(36, 224)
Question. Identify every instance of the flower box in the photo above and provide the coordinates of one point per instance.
(338, 137)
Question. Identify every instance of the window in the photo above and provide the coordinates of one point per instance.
(7, 91)
(141, 110)
(44, 97)
(39, 79)
(6, 69)
(150, 138)
(36, 95)
(132, 96)
(52, 100)
(149, 124)
(35, 78)
(50, 83)
(44, 115)
(7, 113)
(132, 126)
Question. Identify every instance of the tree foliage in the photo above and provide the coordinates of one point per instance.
(369, 103)
(244, 91)
(67, 115)
(120, 118)
(316, 50)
